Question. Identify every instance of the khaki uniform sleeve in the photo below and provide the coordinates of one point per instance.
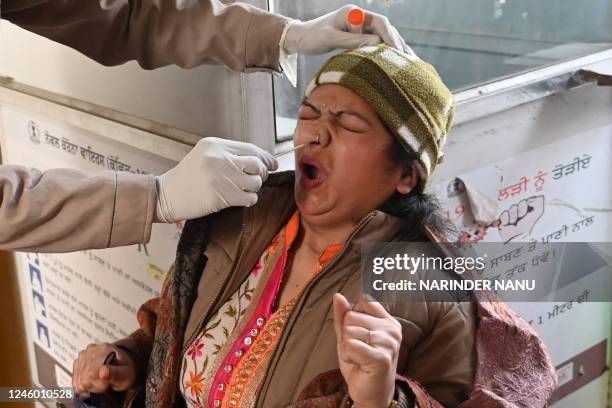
(155, 33)
(65, 210)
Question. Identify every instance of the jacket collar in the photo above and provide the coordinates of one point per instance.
(275, 207)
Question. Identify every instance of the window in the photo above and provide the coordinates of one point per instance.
(470, 42)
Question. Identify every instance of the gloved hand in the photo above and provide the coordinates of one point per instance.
(215, 174)
(330, 31)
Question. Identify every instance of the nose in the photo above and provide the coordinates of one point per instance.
(323, 136)
(316, 132)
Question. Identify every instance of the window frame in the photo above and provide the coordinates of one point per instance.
(473, 102)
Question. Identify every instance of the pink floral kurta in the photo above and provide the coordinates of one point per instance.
(227, 361)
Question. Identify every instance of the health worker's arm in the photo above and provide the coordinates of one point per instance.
(63, 210)
(156, 33)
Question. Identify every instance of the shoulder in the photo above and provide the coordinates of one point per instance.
(422, 312)
(280, 179)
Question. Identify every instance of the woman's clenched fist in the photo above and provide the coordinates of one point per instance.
(368, 341)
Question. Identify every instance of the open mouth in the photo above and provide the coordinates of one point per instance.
(313, 173)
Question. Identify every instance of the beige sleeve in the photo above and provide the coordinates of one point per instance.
(65, 210)
(155, 33)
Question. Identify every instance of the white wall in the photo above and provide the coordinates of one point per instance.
(201, 101)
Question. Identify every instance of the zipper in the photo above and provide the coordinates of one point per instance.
(300, 304)
(219, 289)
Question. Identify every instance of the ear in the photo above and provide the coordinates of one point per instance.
(408, 181)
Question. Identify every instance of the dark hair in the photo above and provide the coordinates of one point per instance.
(418, 207)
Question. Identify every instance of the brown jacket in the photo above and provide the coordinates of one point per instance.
(156, 32)
(64, 210)
(438, 345)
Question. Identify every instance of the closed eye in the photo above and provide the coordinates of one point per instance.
(353, 123)
(307, 112)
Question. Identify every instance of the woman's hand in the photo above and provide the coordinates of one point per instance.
(91, 375)
(368, 340)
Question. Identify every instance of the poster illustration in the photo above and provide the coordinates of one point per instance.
(556, 193)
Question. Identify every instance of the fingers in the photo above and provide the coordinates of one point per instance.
(120, 377)
(530, 210)
(240, 189)
(224, 147)
(122, 359)
(357, 333)
(351, 40)
(91, 375)
(270, 161)
(368, 322)
(522, 208)
(244, 199)
(105, 372)
(248, 149)
(368, 337)
(369, 346)
(504, 218)
(365, 355)
(366, 316)
(407, 48)
(241, 177)
(251, 165)
(341, 307)
(372, 308)
(513, 211)
(248, 183)
(537, 204)
(536, 200)
(75, 374)
(85, 377)
(356, 318)
(380, 25)
(374, 338)
(519, 211)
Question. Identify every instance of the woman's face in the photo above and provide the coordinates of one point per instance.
(347, 174)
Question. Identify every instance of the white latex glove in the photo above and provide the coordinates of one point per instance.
(215, 174)
(331, 31)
